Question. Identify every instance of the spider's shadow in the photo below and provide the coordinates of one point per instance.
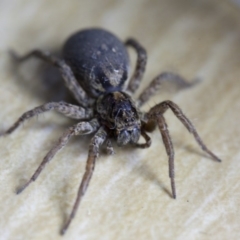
(193, 150)
(45, 83)
(147, 173)
(144, 171)
(82, 140)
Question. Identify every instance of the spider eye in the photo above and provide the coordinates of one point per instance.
(123, 137)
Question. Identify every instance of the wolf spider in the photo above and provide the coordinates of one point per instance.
(94, 67)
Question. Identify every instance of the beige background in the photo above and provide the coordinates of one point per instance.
(128, 197)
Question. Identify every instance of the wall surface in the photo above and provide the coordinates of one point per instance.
(129, 195)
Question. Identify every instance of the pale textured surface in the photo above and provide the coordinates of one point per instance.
(127, 197)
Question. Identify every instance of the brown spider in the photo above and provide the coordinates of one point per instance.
(95, 66)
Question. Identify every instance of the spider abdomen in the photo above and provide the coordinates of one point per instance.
(98, 59)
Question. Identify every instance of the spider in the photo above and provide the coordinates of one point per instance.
(95, 67)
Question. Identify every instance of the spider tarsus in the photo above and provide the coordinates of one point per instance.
(211, 154)
(3, 134)
(66, 225)
(174, 195)
(216, 158)
(18, 191)
(9, 131)
(21, 189)
(63, 230)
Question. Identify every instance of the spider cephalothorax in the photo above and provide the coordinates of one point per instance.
(120, 115)
(95, 67)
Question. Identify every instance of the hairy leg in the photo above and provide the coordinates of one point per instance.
(169, 149)
(109, 147)
(162, 107)
(147, 143)
(81, 128)
(156, 113)
(66, 109)
(67, 74)
(156, 83)
(140, 65)
(93, 153)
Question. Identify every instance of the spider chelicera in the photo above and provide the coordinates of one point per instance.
(95, 67)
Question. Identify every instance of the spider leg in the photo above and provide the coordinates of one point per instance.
(186, 122)
(148, 140)
(160, 108)
(66, 109)
(156, 83)
(156, 113)
(81, 128)
(169, 149)
(140, 65)
(109, 147)
(93, 153)
(67, 74)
